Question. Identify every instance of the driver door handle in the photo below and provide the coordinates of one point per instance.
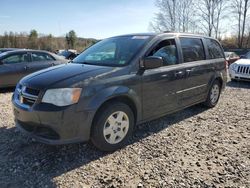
(188, 71)
(26, 68)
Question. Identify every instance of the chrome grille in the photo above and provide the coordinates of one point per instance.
(243, 69)
(27, 96)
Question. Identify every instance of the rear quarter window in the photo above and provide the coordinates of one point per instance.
(192, 49)
(214, 49)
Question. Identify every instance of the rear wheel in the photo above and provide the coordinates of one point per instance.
(214, 94)
(112, 127)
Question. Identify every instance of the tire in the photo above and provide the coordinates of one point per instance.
(213, 94)
(112, 127)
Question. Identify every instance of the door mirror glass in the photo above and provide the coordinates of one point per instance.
(152, 62)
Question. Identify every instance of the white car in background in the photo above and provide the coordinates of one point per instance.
(240, 70)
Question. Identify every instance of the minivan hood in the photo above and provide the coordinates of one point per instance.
(45, 78)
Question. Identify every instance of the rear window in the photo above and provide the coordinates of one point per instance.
(214, 49)
(192, 49)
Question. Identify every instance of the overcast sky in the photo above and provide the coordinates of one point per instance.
(92, 19)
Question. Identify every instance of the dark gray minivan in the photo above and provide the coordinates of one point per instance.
(118, 83)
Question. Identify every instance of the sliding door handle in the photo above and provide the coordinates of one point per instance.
(179, 73)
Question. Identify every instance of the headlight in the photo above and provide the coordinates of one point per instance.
(62, 96)
(234, 67)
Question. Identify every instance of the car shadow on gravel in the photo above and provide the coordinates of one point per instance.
(155, 126)
(26, 163)
(239, 84)
(7, 90)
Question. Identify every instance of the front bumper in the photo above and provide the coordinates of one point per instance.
(237, 76)
(52, 125)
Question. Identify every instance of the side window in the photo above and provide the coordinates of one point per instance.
(36, 56)
(167, 50)
(214, 49)
(192, 49)
(16, 58)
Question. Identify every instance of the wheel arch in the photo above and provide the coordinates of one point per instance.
(218, 76)
(219, 80)
(116, 99)
(116, 94)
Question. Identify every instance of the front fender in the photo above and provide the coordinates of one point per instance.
(112, 92)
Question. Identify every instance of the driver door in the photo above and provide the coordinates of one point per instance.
(13, 68)
(160, 85)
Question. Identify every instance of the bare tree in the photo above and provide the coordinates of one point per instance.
(240, 10)
(174, 15)
(221, 7)
(237, 5)
(245, 9)
(186, 15)
(206, 15)
(211, 12)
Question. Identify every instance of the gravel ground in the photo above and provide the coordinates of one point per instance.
(196, 147)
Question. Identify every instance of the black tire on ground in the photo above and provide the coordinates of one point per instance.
(97, 133)
(209, 102)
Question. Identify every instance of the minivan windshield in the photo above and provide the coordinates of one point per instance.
(117, 51)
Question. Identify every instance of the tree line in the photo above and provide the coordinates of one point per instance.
(209, 17)
(33, 40)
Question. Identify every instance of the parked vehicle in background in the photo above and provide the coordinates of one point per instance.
(16, 64)
(8, 49)
(240, 70)
(231, 57)
(68, 54)
(118, 83)
(246, 56)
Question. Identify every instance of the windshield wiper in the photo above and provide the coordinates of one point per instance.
(79, 62)
(88, 63)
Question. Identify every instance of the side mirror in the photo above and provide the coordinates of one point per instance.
(152, 62)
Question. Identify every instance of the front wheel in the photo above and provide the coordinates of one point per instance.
(113, 126)
(214, 94)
